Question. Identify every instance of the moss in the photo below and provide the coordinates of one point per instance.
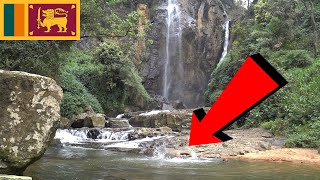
(4, 154)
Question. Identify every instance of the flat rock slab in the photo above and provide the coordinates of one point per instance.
(244, 141)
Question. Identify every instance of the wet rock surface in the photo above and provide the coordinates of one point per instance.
(119, 123)
(29, 116)
(176, 120)
(89, 119)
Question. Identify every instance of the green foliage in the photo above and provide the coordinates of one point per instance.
(107, 76)
(277, 127)
(76, 96)
(283, 32)
(39, 57)
(288, 59)
(107, 81)
(221, 76)
(122, 82)
(99, 19)
(307, 136)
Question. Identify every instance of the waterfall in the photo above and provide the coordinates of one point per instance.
(226, 40)
(173, 70)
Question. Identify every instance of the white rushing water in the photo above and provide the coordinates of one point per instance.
(226, 41)
(78, 136)
(119, 141)
(112, 139)
(135, 143)
(173, 66)
(154, 112)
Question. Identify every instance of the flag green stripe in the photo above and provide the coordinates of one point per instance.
(9, 19)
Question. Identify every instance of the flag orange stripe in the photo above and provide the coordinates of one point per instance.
(19, 19)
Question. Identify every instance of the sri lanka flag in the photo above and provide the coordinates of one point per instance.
(39, 19)
(14, 20)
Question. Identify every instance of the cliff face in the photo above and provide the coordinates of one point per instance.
(202, 37)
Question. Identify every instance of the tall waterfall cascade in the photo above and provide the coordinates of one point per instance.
(226, 30)
(173, 69)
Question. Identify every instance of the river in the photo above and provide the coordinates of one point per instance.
(70, 163)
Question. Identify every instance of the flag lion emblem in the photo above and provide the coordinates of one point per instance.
(51, 20)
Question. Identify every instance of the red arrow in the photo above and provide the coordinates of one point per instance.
(255, 81)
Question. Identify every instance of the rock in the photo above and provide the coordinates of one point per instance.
(89, 120)
(119, 123)
(56, 143)
(173, 120)
(98, 120)
(82, 120)
(151, 132)
(264, 146)
(65, 123)
(93, 133)
(144, 132)
(267, 135)
(179, 105)
(166, 106)
(29, 116)
(165, 130)
(11, 177)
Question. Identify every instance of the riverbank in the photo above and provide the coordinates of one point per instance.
(244, 141)
(294, 155)
(255, 144)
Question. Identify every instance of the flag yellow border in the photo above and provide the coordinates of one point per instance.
(27, 37)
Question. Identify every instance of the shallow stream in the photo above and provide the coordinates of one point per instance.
(69, 163)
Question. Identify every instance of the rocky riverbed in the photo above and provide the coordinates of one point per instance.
(244, 141)
(168, 132)
(147, 140)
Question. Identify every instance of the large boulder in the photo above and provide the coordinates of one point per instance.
(29, 116)
(119, 123)
(155, 119)
(98, 120)
(89, 119)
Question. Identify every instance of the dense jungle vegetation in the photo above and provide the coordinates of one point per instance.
(286, 33)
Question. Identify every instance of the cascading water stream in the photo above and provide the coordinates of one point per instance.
(173, 67)
(75, 136)
(226, 40)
